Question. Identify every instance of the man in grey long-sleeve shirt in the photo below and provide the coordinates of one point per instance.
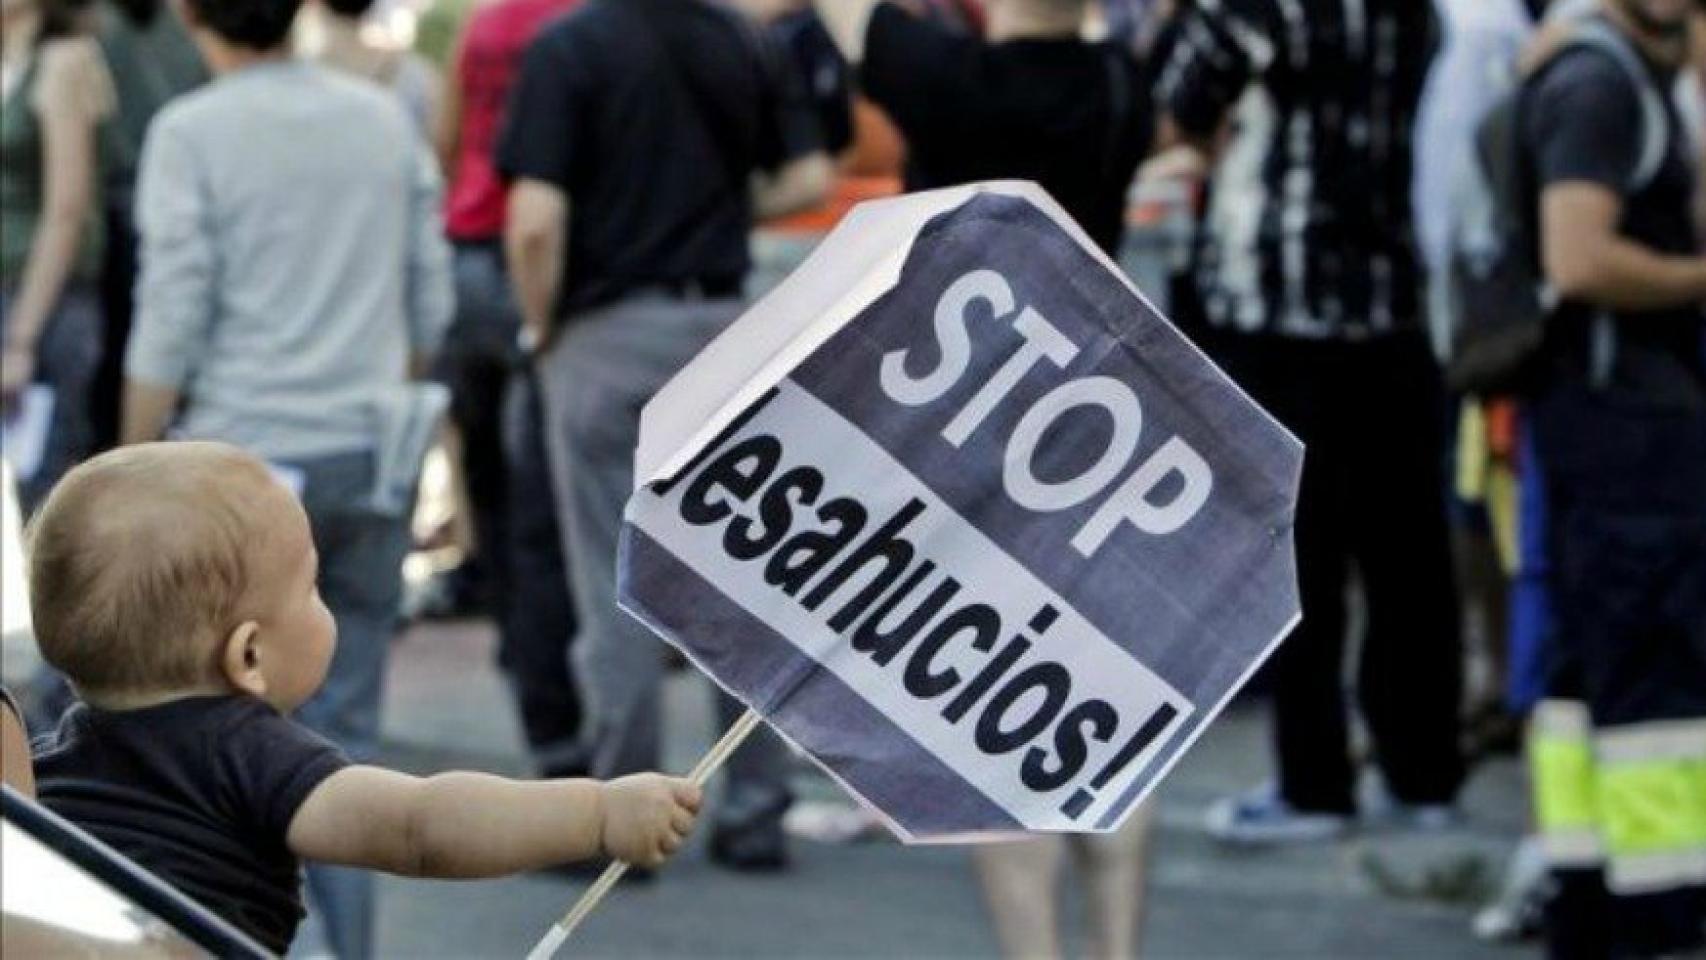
(293, 261)
(293, 275)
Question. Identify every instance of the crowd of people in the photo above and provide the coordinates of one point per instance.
(303, 250)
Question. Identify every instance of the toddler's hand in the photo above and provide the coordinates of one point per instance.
(647, 816)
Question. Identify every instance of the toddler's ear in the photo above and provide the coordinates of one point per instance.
(241, 659)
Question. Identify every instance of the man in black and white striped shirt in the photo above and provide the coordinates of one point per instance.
(1308, 290)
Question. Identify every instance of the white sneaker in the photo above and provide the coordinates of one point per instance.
(1382, 809)
(1263, 817)
(1516, 914)
(1424, 817)
(832, 823)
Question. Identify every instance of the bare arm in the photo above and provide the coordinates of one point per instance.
(846, 21)
(148, 409)
(536, 230)
(447, 124)
(465, 825)
(1586, 260)
(69, 88)
(1183, 152)
(15, 767)
(800, 185)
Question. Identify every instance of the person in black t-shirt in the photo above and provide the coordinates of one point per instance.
(642, 139)
(1033, 102)
(1619, 429)
(175, 585)
(630, 142)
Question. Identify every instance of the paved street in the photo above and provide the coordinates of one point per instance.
(447, 707)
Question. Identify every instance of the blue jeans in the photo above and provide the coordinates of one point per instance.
(361, 563)
(67, 356)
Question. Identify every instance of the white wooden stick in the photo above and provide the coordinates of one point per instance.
(708, 765)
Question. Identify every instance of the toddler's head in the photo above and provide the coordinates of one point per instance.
(167, 569)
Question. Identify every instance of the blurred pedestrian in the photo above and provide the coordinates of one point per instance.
(344, 46)
(151, 59)
(1478, 62)
(494, 397)
(56, 108)
(1033, 101)
(294, 274)
(1310, 295)
(1619, 423)
(632, 140)
(1028, 100)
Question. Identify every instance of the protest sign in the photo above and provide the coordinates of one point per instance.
(963, 517)
(957, 512)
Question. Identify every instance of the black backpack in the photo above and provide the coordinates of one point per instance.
(1500, 298)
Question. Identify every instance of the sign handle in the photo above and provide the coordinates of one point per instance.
(708, 765)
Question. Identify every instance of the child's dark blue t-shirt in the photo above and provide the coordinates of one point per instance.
(201, 791)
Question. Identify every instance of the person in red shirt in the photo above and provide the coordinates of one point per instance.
(488, 54)
(495, 402)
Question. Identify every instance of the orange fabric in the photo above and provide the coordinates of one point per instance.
(846, 192)
(878, 150)
(1501, 429)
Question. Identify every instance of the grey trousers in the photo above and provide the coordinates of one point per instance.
(597, 376)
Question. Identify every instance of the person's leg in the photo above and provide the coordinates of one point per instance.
(1299, 384)
(1310, 734)
(595, 381)
(1630, 570)
(1112, 867)
(1647, 694)
(1490, 726)
(1641, 630)
(537, 618)
(477, 411)
(748, 834)
(1311, 737)
(1562, 772)
(67, 358)
(361, 560)
(475, 364)
(1019, 881)
(1410, 679)
(118, 283)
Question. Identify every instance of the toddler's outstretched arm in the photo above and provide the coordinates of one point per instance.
(464, 825)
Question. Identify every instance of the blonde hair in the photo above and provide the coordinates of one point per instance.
(139, 564)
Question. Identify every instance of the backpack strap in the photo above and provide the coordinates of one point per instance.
(1594, 33)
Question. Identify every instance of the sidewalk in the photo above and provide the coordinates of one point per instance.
(447, 707)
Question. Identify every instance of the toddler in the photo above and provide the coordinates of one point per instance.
(175, 585)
